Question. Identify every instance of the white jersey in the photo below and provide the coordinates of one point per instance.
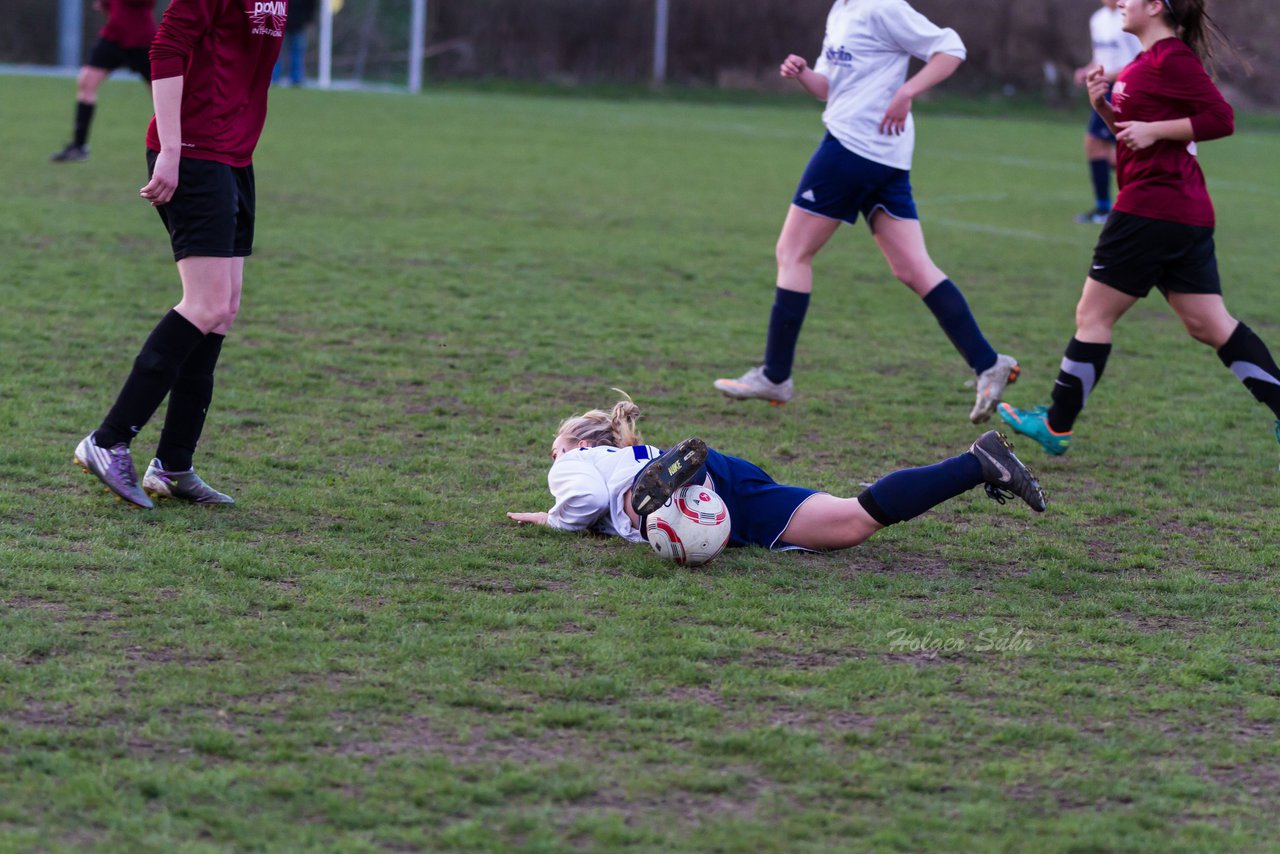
(1113, 48)
(865, 54)
(589, 484)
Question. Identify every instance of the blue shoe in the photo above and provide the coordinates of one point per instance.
(1034, 424)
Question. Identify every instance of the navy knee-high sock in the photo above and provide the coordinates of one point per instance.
(1100, 173)
(1250, 360)
(952, 311)
(188, 405)
(907, 493)
(1081, 368)
(154, 370)
(785, 320)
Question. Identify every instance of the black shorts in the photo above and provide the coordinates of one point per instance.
(1135, 254)
(211, 213)
(109, 56)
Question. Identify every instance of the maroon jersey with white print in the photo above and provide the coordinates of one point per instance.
(224, 50)
(130, 23)
(1164, 181)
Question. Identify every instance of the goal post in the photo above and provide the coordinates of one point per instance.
(361, 33)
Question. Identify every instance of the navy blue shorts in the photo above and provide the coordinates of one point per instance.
(1098, 129)
(838, 184)
(760, 508)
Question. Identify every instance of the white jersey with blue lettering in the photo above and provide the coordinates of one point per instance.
(865, 54)
(589, 485)
(1113, 48)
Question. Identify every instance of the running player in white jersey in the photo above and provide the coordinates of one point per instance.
(604, 479)
(1113, 49)
(863, 167)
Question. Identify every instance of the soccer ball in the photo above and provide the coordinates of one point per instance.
(691, 529)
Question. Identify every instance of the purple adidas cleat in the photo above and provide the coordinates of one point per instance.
(183, 485)
(114, 467)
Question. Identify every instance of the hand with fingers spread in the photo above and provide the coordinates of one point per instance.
(895, 116)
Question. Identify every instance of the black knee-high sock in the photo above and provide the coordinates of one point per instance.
(84, 118)
(1250, 360)
(785, 320)
(154, 371)
(1081, 368)
(189, 404)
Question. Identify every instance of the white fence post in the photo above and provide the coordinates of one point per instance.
(417, 44)
(326, 44)
(70, 24)
(661, 15)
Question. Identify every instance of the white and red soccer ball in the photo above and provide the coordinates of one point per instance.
(691, 529)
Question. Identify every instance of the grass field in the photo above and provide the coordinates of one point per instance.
(365, 655)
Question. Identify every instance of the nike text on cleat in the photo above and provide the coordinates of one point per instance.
(991, 385)
(665, 474)
(1005, 474)
(754, 385)
(1034, 424)
(183, 485)
(114, 467)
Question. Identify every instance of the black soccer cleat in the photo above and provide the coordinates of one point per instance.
(71, 154)
(665, 474)
(1005, 474)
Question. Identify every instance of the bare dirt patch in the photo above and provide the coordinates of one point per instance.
(705, 696)
(58, 610)
(476, 743)
(508, 587)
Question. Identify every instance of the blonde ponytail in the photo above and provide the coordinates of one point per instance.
(615, 428)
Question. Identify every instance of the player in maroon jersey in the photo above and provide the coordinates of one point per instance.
(1160, 232)
(122, 41)
(211, 64)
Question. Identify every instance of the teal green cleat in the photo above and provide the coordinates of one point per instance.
(1034, 424)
